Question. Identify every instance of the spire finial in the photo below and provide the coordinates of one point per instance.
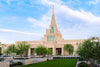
(53, 9)
(53, 17)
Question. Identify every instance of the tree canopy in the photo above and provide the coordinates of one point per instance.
(41, 50)
(49, 51)
(89, 48)
(22, 47)
(69, 48)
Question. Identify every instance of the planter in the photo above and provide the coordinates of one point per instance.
(28, 61)
(4, 64)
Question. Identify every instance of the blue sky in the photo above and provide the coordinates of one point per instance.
(27, 20)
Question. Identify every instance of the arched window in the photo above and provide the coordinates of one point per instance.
(50, 38)
(52, 30)
(54, 38)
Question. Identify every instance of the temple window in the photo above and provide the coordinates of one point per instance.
(52, 31)
(50, 38)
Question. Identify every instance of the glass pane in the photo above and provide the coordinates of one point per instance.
(51, 38)
(48, 38)
(52, 30)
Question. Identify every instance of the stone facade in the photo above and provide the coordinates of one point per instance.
(53, 39)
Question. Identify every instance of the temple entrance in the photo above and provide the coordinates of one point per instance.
(32, 52)
(58, 51)
(26, 54)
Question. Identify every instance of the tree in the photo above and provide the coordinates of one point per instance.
(7, 52)
(96, 50)
(41, 50)
(1, 47)
(69, 48)
(22, 48)
(90, 49)
(85, 49)
(49, 51)
(0, 50)
(12, 48)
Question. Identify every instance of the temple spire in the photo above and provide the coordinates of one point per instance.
(53, 16)
(52, 9)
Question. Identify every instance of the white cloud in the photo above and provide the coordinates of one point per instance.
(43, 22)
(65, 12)
(51, 2)
(62, 12)
(94, 2)
(8, 2)
(27, 33)
(78, 15)
(11, 36)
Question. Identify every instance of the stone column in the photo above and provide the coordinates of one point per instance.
(35, 54)
(29, 53)
(62, 51)
(54, 50)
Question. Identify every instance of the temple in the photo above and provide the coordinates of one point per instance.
(53, 40)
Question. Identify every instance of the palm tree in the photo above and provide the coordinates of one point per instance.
(49, 51)
(0, 51)
(41, 50)
(22, 48)
(69, 48)
(12, 48)
(7, 51)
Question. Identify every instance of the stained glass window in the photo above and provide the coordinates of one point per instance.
(48, 38)
(52, 30)
(51, 38)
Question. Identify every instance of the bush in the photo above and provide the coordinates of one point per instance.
(1, 59)
(98, 61)
(13, 64)
(16, 64)
(19, 63)
(83, 64)
(81, 59)
(20, 58)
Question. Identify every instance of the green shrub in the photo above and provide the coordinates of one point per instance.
(16, 64)
(1, 59)
(83, 64)
(19, 63)
(13, 64)
(20, 58)
(98, 61)
(93, 65)
(81, 59)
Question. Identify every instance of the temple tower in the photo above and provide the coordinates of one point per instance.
(52, 34)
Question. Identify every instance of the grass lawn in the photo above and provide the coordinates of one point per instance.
(55, 63)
